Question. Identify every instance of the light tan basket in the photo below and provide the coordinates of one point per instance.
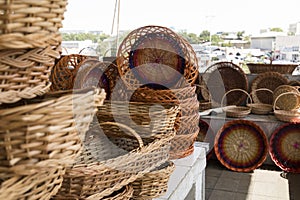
(288, 101)
(49, 127)
(31, 24)
(260, 108)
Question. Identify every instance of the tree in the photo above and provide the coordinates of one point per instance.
(204, 36)
(276, 29)
(240, 34)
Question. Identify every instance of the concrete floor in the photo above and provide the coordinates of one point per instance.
(264, 183)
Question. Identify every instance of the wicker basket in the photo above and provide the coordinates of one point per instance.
(236, 111)
(260, 108)
(256, 68)
(286, 115)
(288, 101)
(149, 120)
(37, 185)
(31, 24)
(123, 194)
(49, 127)
(154, 183)
(111, 161)
(24, 73)
(156, 56)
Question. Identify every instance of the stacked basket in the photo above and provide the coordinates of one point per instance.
(40, 132)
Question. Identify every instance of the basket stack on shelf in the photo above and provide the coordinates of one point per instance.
(41, 132)
(158, 66)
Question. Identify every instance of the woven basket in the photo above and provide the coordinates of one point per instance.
(288, 101)
(149, 120)
(269, 80)
(24, 73)
(123, 194)
(236, 111)
(204, 97)
(156, 55)
(111, 161)
(256, 68)
(31, 24)
(50, 127)
(40, 184)
(222, 77)
(154, 183)
(286, 115)
(259, 108)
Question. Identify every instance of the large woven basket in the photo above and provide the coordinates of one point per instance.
(114, 156)
(256, 68)
(123, 194)
(24, 73)
(36, 185)
(149, 120)
(154, 183)
(156, 56)
(31, 24)
(49, 127)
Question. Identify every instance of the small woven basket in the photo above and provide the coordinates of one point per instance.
(50, 127)
(259, 108)
(154, 183)
(289, 101)
(31, 24)
(156, 54)
(286, 115)
(149, 120)
(114, 156)
(38, 184)
(236, 111)
(256, 68)
(125, 193)
(24, 73)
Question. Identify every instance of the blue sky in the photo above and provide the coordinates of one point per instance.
(192, 15)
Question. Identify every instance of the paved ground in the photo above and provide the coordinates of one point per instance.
(265, 183)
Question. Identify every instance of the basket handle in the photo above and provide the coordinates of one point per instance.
(129, 130)
(275, 101)
(232, 90)
(260, 89)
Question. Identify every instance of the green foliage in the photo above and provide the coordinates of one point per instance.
(240, 34)
(84, 36)
(276, 29)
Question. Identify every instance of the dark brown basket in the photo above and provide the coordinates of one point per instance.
(156, 54)
(256, 68)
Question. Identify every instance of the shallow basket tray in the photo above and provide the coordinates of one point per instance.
(259, 108)
(50, 127)
(256, 68)
(31, 24)
(24, 73)
(114, 156)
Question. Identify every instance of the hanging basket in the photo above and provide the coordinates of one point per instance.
(49, 127)
(154, 183)
(259, 108)
(24, 73)
(114, 156)
(156, 56)
(31, 24)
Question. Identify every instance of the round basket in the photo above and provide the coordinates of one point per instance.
(114, 156)
(149, 120)
(206, 134)
(24, 73)
(256, 68)
(259, 108)
(31, 24)
(64, 71)
(286, 115)
(285, 147)
(154, 183)
(222, 77)
(125, 193)
(269, 80)
(289, 101)
(241, 145)
(156, 54)
(40, 184)
(236, 111)
(50, 127)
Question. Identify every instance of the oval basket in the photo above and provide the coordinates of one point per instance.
(114, 156)
(31, 24)
(222, 77)
(241, 145)
(24, 73)
(288, 101)
(284, 147)
(156, 54)
(153, 184)
(260, 108)
(256, 68)
(50, 127)
(286, 115)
